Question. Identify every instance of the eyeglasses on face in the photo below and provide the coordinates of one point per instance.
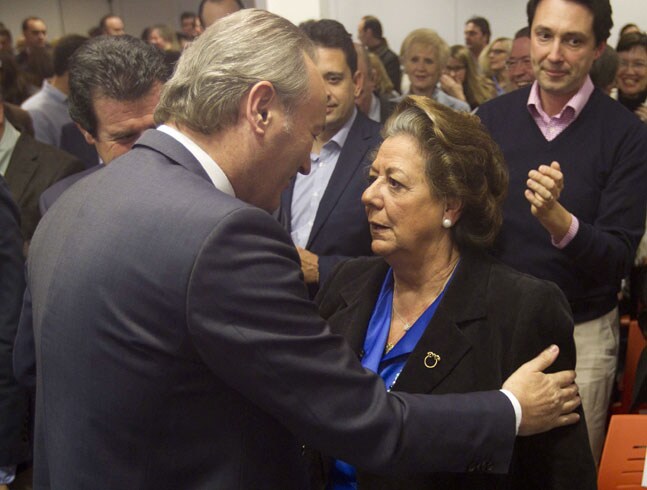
(635, 64)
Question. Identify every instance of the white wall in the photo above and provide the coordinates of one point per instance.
(295, 11)
(398, 16)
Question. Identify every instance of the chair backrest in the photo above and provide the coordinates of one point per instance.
(635, 345)
(623, 458)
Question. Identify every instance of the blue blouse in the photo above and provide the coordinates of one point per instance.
(389, 365)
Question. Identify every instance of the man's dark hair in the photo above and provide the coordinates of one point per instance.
(25, 23)
(523, 32)
(65, 48)
(123, 68)
(328, 33)
(187, 15)
(201, 8)
(601, 10)
(483, 24)
(374, 24)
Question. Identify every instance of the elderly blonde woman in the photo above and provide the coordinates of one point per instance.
(492, 61)
(434, 313)
(424, 55)
(462, 80)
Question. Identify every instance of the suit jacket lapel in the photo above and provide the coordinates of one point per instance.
(23, 164)
(464, 301)
(351, 157)
(285, 211)
(359, 296)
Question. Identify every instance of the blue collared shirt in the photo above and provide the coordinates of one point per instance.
(49, 113)
(309, 189)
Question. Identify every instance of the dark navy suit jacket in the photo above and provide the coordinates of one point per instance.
(14, 399)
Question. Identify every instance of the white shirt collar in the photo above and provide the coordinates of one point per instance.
(210, 166)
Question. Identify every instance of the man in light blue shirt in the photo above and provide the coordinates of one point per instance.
(323, 210)
(48, 107)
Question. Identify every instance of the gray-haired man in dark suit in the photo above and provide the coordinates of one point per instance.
(176, 346)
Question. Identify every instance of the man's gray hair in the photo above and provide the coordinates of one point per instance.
(216, 71)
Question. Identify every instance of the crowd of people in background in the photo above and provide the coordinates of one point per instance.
(72, 105)
(492, 68)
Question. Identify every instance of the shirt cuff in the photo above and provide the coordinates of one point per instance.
(517, 409)
(570, 234)
(7, 474)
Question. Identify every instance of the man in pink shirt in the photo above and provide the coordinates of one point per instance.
(576, 159)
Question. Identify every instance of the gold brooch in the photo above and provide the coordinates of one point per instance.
(431, 360)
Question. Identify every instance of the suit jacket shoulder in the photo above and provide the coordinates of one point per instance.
(51, 194)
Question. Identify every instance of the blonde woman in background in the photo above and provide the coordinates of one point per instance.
(462, 80)
(383, 84)
(492, 61)
(424, 55)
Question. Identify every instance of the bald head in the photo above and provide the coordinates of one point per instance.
(212, 10)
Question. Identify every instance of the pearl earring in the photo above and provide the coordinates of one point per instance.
(447, 223)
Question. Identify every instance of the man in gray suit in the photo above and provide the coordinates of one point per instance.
(175, 344)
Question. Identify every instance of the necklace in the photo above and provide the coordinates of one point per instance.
(388, 347)
(406, 325)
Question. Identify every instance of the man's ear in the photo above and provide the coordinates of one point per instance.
(88, 137)
(260, 106)
(358, 81)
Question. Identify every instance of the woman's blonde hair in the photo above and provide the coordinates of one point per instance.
(383, 83)
(476, 87)
(484, 57)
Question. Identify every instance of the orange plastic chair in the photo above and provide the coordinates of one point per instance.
(623, 457)
(635, 345)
